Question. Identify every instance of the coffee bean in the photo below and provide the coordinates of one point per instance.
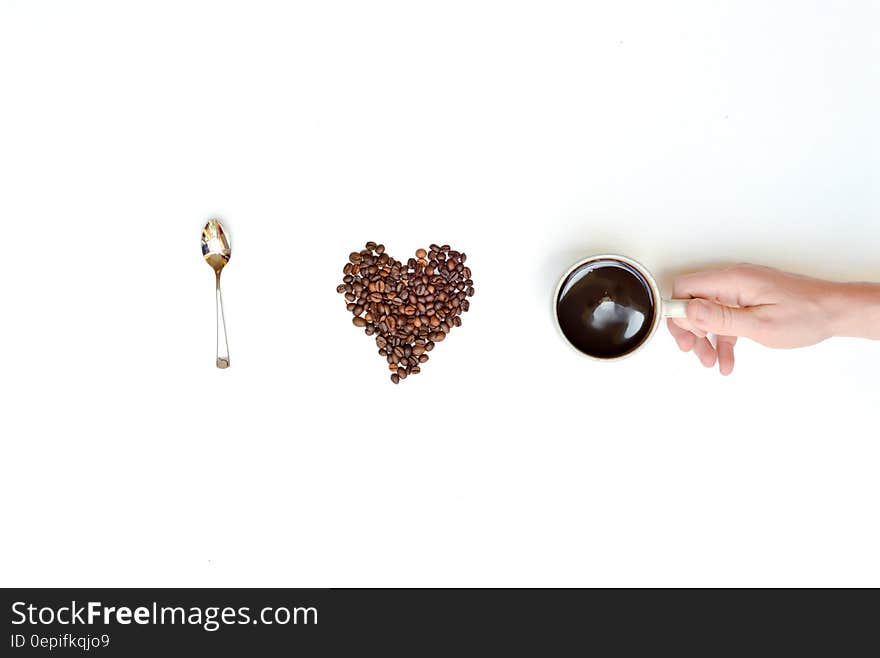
(409, 307)
(395, 378)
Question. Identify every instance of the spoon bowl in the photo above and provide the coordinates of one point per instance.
(215, 245)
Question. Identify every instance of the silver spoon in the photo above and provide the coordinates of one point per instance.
(216, 250)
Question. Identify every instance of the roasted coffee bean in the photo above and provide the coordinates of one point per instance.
(395, 378)
(409, 307)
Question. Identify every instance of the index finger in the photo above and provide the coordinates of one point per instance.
(726, 286)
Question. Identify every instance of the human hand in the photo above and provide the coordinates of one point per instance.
(774, 308)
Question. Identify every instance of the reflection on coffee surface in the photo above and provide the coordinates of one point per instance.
(605, 308)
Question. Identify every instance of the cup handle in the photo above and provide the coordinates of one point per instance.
(675, 308)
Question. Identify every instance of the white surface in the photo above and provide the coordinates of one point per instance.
(528, 135)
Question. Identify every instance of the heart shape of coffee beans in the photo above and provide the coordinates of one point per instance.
(408, 307)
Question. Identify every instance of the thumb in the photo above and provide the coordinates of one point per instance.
(720, 319)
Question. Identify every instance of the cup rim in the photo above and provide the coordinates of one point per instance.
(655, 292)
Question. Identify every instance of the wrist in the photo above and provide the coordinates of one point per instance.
(853, 309)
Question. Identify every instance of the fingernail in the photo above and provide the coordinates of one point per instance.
(701, 311)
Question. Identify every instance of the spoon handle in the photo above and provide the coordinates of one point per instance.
(222, 344)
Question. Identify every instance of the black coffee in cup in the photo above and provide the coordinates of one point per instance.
(606, 308)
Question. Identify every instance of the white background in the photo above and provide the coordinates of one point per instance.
(684, 134)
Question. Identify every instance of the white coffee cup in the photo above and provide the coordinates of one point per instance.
(661, 308)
